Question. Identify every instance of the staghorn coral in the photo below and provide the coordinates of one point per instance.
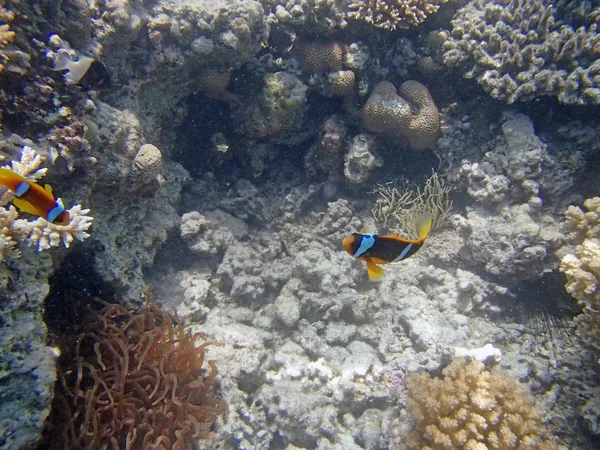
(520, 50)
(138, 382)
(400, 206)
(411, 113)
(471, 408)
(394, 14)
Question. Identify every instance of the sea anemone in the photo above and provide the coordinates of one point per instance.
(137, 382)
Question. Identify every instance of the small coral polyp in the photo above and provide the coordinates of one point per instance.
(138, 382)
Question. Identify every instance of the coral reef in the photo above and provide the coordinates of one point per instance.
(581, 265)
(280, 108)
(471, 408)
(27, 362)
(326, 156)
(393, 14)
(520, 50)
(138, 381)
(411, 113)
(518, 175)
(317, 15)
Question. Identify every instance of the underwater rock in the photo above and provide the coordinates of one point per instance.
(360, 159)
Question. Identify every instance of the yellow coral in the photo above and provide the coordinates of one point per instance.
(581, 265)
(487, 411)
(6, 37)
(393, 14)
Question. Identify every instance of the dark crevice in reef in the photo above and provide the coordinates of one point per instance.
(194, 148)
(545, 306)
(72, 287)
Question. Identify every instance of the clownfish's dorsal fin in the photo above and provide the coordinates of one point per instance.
(25, 206)
(424, 224)
(363, 230)
(48, 189)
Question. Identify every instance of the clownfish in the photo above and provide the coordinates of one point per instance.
(33, 198)
(374, 249)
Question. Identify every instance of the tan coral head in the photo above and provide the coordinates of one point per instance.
(410, 112)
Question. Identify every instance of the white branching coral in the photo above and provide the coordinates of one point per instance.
(39, 232)
(44, 234)
(29, 167)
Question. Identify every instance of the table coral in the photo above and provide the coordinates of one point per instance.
(410, 112)
(521, 50)
(137, 381)
(394, 14)
(471, 408)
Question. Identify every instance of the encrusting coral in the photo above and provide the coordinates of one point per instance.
(473, 409)
(137, 382)
(410, 112)
(38, 232)
(394, 14)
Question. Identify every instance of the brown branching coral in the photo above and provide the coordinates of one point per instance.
(471, 408)
(137, 382)
(394, 14)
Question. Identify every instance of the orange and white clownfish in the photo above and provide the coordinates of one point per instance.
(33, 198)
(374, 249)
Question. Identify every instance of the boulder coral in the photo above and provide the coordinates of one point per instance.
(393, 14)
(316, 57)
(471, 408)
(410, 112)
(521, 50)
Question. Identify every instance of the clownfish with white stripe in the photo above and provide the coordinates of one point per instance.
(376, 250)
(34, 199)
